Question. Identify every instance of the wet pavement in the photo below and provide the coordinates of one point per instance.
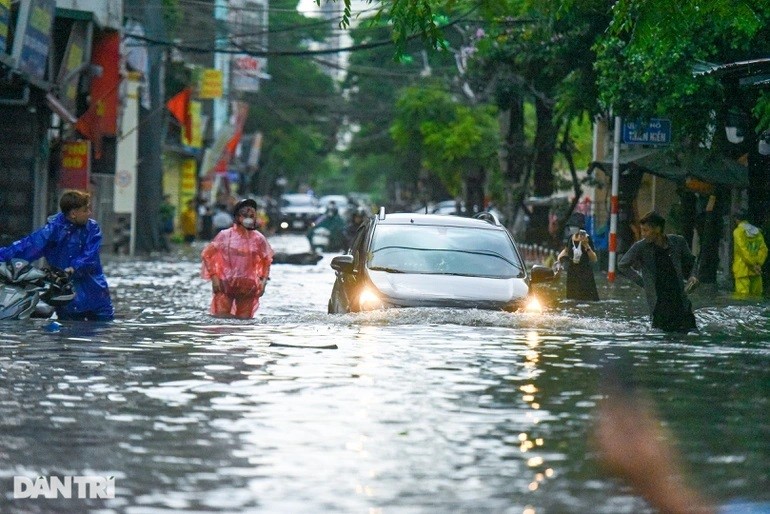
(409, 410)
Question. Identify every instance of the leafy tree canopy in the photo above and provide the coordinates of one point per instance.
(298, 109)
(451, 138)
(646, 58)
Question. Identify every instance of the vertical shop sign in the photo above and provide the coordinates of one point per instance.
(74, 55)
(210, 84)
(188, 182)
(75, 165)
(32, 39)
(196, 126)
(5, 19)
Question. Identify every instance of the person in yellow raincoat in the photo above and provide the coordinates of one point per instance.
(188, 222)
(238, 263)
(749, 254)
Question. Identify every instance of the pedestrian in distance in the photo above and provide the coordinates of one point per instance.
(71, 241)
(166, 216)
(578, 257)
(188, 222)
(238, 263)
(749, 254)
(659, 263)
(221, 219)
(351, 228)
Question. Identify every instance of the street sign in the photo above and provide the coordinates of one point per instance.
(656, 132)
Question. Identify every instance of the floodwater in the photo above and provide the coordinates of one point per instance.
(404, 411)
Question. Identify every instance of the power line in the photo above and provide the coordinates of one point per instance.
(281, 53)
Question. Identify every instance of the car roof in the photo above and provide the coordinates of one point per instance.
(438, 220)
(299, 196)
(336, 198)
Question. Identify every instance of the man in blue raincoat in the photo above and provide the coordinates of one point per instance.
(71, 241)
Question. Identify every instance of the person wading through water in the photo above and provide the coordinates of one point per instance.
(659, 263)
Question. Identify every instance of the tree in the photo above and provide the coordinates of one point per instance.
(298, 110)
(645, 65)
(538, 54)
(454, 142)
(373, 83)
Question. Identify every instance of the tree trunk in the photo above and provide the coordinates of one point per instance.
(545, 150)
(475, 179)
(514, 154)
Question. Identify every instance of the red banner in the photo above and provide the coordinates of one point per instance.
(101, 118)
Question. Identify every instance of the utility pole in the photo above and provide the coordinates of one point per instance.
(151, 135)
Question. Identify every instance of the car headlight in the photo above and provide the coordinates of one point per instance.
(284, 225)
(369, 300)
(533, 306)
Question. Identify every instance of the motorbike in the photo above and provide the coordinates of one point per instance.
(28, 291)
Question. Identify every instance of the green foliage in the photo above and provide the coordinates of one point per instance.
(370, 173)
(172, 15)
(646, 57)
(762, 111)
(450, 138)
(373, 83)
(298, 110)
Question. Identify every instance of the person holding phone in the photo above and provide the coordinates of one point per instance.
(578, 257)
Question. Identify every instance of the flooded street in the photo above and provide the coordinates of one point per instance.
(411, 410)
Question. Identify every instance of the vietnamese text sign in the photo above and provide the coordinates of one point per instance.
(210, 84)
(32, 40)
(75, 165)
(656, 132)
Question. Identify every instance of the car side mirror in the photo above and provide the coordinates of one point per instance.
(342, 263)
(541, 274)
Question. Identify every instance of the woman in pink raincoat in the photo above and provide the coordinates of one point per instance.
(238, 263)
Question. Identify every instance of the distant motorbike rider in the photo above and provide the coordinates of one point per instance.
(334, 224)
(71, 241)
(238, 263)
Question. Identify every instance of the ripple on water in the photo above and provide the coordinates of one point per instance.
(419, 410)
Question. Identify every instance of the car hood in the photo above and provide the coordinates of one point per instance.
(414, 289)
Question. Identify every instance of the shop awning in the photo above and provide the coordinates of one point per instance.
(701, 164)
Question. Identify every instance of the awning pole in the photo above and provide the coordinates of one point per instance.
(613, 242)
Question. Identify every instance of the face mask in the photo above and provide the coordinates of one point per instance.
(249, 223)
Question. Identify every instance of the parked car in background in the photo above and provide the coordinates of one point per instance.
(427, 260)
(449, 207)
(298, 212)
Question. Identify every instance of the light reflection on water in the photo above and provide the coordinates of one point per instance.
(413, 410)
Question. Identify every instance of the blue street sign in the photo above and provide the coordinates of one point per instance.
(656, 132)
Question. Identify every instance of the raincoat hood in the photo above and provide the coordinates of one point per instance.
(750, 229)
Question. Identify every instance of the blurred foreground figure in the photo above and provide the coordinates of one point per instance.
(632, 444)
(238, 263)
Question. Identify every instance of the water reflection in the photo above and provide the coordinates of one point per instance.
(412, 410)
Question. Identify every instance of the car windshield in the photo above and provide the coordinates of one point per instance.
(428, 249)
